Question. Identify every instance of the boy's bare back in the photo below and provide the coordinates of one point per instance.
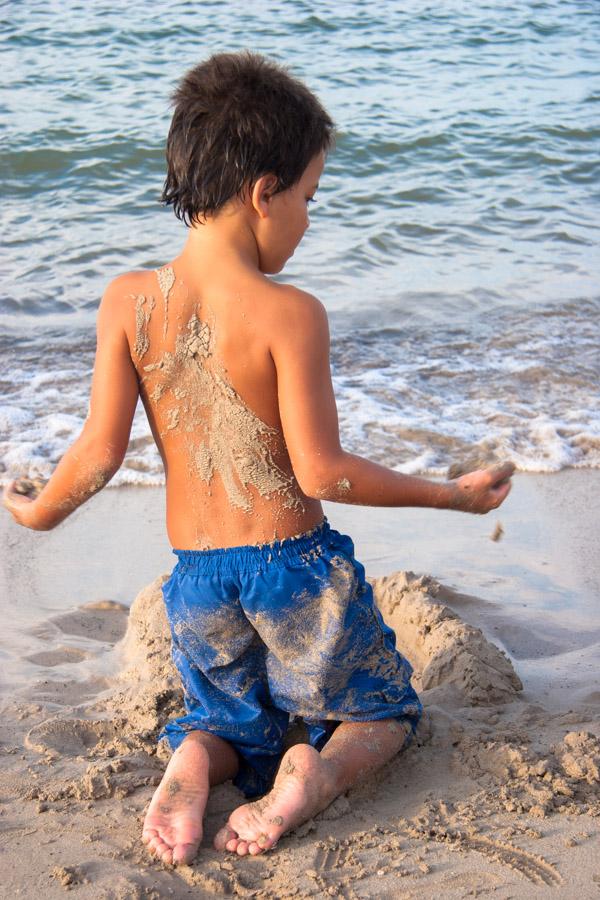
(201, 344)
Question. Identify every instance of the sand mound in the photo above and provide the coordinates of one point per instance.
(148, 687)
(444, 651)
(453, 661)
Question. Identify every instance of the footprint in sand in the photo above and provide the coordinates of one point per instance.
(101, 620)
(69, 737)
(58, 656)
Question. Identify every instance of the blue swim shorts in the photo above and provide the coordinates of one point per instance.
(262, 634)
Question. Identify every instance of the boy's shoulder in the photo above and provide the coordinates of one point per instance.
(286, 311)
(120, 294)
(295, 306)
(295, 318)
(131, 284)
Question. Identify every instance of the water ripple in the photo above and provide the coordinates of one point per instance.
(464, 183)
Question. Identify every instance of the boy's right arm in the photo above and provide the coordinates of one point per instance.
(92, 460)
(300, 350)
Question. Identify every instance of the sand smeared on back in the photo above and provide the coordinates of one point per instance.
(189, 392)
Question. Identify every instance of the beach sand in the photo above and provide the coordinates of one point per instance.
(499, 794)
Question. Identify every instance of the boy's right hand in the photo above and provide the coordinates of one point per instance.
(483, 490)
(18, 504)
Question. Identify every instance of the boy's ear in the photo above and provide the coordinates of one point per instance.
(262, 192)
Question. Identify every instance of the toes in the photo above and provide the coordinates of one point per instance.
(159, 849)
(166, 856)
(254, 849)
(180, 854)
(266, 843)
(242, 848)
(183, 854)
(153, 843)
(224, 835)
(148, 834)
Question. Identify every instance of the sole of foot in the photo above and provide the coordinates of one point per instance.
(173, 824)
(297, 794)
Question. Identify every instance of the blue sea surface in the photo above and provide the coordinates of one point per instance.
(454, 243)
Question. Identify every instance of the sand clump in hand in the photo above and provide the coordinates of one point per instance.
(485, 459)
(30, 487)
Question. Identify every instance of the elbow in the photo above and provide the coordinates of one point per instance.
(100, 470)
(322, 481)
(42, 525)
(112, 463)
(104, 455)
(313, 488)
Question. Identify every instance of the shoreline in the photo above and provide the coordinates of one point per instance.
(545, 562)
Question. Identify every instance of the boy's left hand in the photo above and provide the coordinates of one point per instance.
(483, 490)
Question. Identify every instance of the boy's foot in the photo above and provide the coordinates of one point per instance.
(301, 790)
(173, 824)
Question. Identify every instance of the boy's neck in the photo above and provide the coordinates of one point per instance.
(226, 240)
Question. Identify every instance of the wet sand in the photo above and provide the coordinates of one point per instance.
(500, 793)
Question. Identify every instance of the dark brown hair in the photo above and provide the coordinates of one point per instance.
(238, 116)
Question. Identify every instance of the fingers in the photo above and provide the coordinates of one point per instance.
(8, 493)
(501, 492)
(12, 498)
(501, 473)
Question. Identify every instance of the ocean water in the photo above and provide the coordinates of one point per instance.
(455, 241)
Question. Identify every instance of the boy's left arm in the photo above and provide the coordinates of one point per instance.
(98, 452)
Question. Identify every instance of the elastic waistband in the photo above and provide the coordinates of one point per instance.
(251, 554)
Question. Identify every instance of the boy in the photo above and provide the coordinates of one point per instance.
(270, 614)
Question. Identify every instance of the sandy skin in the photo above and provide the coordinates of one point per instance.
(173, 825)
(306, 783)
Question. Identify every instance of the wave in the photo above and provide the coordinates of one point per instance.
(520, 383)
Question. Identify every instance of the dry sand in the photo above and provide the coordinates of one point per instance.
(499, 794)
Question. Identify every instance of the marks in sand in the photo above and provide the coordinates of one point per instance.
(534, 868)
(336, 868)
(340, 864)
